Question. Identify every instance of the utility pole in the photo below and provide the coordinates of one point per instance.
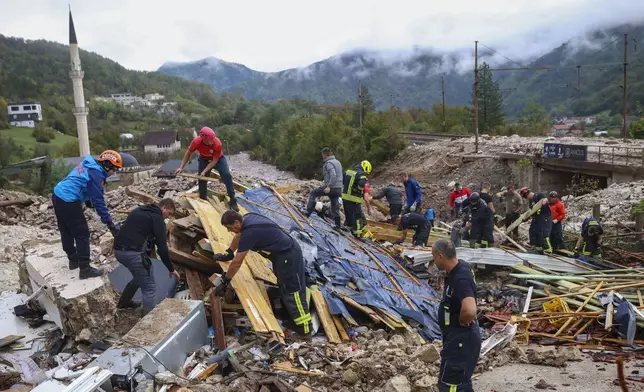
(579, 78)
(625, 129)
(360, 103)
(476, 99)
(443, 93)
(391, 101)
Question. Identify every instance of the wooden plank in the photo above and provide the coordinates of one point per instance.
(290, 188)
(21, 202)
(262, 289)
(366, 310)
(140, 196)
(285, 204)
(325, 317)
(639, 298)
(590, 296)
(380, 206)
(288, 367)
(524, 216)
(7, 340)
(340, 328)
(510, 240)
(196, 263)
(217, 321)
(214, 176)
(194, 285)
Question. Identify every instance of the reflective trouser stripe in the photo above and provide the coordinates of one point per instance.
(304, 318)
(446, 309)
(452, 388)
(549, 246)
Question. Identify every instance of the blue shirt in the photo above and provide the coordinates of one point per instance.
(262, 234)
(413, 192)
(83, 183)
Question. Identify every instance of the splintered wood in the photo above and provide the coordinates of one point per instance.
(325, 316)
(250, 294)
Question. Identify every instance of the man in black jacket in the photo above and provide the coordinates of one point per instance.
(143, 228)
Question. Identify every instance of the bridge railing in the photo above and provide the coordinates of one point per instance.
(611, 155)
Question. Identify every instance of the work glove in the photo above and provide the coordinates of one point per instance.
(229, 255)
(413, 207)
(221, 284)
(114, 228)
(89, 204)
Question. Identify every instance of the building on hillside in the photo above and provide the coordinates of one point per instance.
(125, 98)
(559, 130)
(161, 142)
(154, 97)
(574, 120)
(24, 114)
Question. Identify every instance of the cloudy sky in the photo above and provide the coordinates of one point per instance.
(279, 34)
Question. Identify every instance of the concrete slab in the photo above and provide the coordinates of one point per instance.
(12, 325)
(71, 303)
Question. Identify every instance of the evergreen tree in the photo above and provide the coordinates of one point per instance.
(365, 104)
(490, 101)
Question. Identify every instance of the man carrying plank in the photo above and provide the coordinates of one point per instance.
(260, 234)
(541, 224)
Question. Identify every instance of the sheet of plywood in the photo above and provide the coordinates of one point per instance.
(250, 294)
(325, 317)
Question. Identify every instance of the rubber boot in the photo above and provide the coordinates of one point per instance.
(89, 272)
(125, 302)
(73, 261)
(233, 204)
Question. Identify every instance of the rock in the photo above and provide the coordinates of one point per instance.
(546, 355)
(425, 384)
(427, 353)
(398, 340)
(398, 384)
(43, 207)
(542, 384)
(106, 243)
(572, 353)
(84, 336)
(350, 377)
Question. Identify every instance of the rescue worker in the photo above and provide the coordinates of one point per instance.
(83, 184)
(260, 234)
(421, 226)
(353, 195)
(394, 198)
(413, 194)
(331, 187)
(482, 222)
(590, 238)
(211, 156)
(513, 206)
(558, 211)
(142, 230)
(541, 224)
(457, 197)
(457, 320)
(486, 197)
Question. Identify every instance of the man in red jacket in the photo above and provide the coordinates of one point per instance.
(558, 210)
(457, 197)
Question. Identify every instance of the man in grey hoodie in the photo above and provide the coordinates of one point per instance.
(332, 186)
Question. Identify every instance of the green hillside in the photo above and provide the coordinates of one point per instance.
(23, 137)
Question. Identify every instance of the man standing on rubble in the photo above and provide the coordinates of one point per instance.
(421, 226)
(457, 320)
(413, 194)
(331, 187)
(142, 230)
(558, 211)
(513, 206)
(260, 234)
(394, 198)
(456, 199)
(541, 224)
(211, 156)
(482, 224)
(83, 185)
(591, 232)
(353, 195)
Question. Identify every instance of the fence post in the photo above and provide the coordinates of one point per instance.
(639, 225)
(596, 211)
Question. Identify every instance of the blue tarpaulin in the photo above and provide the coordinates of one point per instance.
(339, 260)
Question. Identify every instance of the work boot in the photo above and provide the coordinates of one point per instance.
(73, 261)
(233, 204)
(89, 272)
(125, 301)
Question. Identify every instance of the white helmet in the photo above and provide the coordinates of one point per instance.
(319, 206)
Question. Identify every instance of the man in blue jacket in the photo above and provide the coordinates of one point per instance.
(83, 185)
(413, 194)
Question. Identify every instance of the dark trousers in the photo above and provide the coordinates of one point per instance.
(334, 195)
(395, 210)
(74, 232)
(461, 349)
(482, 233)
(509, 220)
(291, 278)
(540, 229)
(354, 217)
(142, 278)
(224, 172)
(421, 236)
(556, 236)
(590, 247)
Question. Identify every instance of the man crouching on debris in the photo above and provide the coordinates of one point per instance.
(260, 234)
(457, 319)
(143, 228)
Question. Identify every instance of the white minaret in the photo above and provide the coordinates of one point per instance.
(76, 73)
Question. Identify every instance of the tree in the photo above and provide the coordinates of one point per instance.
(490, 101)
(365, 104)
(534, 116)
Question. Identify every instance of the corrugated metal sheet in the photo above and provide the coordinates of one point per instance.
(495, 256)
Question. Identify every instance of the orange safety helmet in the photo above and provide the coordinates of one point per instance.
(112, 157)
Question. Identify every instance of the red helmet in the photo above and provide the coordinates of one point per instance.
(524, 191)
(207, 133)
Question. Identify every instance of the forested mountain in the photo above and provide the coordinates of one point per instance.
(413, 79)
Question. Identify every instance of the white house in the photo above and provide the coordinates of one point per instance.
(161, 142)
(24, 114)
(154, 97)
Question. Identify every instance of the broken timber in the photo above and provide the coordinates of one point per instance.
(523, 217)
(325, 316)
(214, 176)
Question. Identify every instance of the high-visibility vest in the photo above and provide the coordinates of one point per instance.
(352, 190)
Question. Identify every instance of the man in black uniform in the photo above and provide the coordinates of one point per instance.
(353, 195)
(394, 198)
(591, 232)
(482, 224)
(541, 224)
(485, 195)
(143, 228)
(260, 234)
(457, 319)
(416, 222)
